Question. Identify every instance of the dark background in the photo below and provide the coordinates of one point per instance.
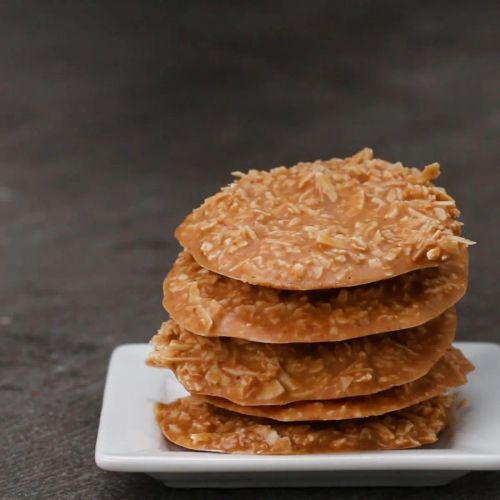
(116, 119)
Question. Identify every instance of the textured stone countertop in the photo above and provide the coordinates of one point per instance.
(116, 119)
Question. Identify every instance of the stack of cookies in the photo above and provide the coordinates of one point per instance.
(312, 311)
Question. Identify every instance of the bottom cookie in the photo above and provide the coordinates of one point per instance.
(192, 423)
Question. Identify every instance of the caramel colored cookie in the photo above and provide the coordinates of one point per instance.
(194, 424)
(325, 224)
(252, 373)
(449, 372)
(210, 304)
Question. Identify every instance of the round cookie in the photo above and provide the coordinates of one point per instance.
(196, 425)
(449, 372)
(251, 373)
(213, 305)
(325, 224)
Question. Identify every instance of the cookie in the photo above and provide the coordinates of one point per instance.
(197, 425)
(213, 305)
(325, 224)
(251, 373)
(449, 372)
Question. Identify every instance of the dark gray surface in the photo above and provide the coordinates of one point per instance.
(117, 119)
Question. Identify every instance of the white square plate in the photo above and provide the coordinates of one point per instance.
(129, 439)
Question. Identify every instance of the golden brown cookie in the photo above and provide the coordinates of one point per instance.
(449, 372)
(325, 224)
(194, 424)
(252, 373)
(213, 305)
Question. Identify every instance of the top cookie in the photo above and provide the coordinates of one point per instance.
(325, 224)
